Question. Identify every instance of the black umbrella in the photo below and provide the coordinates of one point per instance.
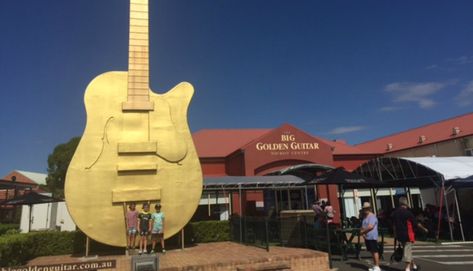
(29, 198)
(340, 176)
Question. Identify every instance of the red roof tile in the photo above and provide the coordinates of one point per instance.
(432, 133)
(19, 177)
(342, 148)
(219, 143)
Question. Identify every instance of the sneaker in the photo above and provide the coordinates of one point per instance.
(152, 251)
(140, 252)
(376, 268)
(417, 268)
(163, 251)
(145, 251)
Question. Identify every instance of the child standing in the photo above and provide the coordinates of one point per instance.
(131, 225)
(158, 228)
(144, 226)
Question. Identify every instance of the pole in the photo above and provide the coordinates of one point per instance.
(440, 210)
(208, 203)
(87, 246)
(241, 214)
(30, 220)
(182, 238)
(373, 199)
(459, 215)
(306, 197)
(392, 198)
(329, 242)
(289, 200)
(448, 215)
(126, 228)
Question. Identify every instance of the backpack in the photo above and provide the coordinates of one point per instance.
(397, 255)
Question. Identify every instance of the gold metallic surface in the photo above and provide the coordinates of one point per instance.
(94, 185)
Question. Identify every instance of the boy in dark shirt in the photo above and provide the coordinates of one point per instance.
(144, 227)
(404, 223)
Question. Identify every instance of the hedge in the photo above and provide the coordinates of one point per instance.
(4, 228)
(18, 249)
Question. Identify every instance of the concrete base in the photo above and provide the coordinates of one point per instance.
(222, 256)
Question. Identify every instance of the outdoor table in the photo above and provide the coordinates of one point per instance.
(349, 245)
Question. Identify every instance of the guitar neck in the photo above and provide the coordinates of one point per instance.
(138, 55)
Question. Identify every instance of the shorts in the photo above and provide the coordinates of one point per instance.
(157, 232)
(131, 231)
(144, 232)
(407, 252)
(372, 246)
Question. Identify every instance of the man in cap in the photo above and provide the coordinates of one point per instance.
(369, 231)
(404, 223)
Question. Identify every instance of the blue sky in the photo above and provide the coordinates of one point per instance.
(353, 70)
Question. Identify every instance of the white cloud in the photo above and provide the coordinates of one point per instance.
(346, 129)
(461, 60)
(465, 97)
(420, 93)
(431, 67)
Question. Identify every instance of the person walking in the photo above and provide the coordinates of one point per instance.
(404, 223)
(329, 212)
(369, 231)
(318, 214)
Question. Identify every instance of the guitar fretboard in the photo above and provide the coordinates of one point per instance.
(138, 58)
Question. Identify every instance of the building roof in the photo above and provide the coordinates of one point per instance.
(424, 135)
(217, 143)
(27, 177)
(342, 148)
(255, 182)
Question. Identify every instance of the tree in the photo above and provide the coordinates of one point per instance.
(58, 162)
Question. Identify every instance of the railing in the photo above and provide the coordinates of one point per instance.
(297, 231)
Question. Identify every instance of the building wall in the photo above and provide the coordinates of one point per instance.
(213, 166)
(454, 147)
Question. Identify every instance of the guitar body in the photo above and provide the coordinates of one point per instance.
(132, 156)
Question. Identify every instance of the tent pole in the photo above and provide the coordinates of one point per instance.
(289, 200)
(392, 198)
(342, 211)
(440, 209)
(306, 198)
(276, 201)
(373, 199)
(241, 214)
(459, 214)
(448, 215)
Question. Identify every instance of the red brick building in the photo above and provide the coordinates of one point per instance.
(256, 152)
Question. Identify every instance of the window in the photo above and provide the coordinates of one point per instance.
(469, 152)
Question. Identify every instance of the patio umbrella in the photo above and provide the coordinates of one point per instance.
(29, 199)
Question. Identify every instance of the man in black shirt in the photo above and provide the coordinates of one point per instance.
(404, 223)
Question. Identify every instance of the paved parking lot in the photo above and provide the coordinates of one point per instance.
(429, 256)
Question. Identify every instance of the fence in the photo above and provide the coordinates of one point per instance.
(297, 231)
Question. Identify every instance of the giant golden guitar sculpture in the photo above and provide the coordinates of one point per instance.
(136, 147)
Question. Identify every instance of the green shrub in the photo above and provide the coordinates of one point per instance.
(210, 231)
(19, 248)
(4, 228)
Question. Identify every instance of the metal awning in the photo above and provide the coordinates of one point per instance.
(253, 182)
(417, 171)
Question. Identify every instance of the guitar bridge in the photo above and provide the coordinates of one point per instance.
(138, 147)
(133, 195)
